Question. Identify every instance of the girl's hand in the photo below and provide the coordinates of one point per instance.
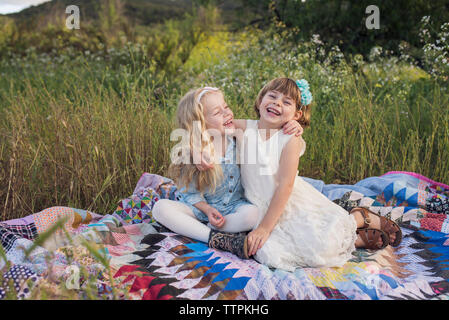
(215, 217)
(256, 240)
(293, 127)
(206, 162)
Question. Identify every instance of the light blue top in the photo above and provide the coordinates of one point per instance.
(228, 196)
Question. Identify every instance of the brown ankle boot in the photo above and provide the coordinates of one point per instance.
(235, 243)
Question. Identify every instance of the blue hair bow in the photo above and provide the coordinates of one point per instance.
(306, 95)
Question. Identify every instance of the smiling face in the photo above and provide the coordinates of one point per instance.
(217, 113)
(277, 108)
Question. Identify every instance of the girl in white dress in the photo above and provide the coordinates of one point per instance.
(298, 226)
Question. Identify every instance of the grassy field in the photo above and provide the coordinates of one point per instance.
(80, 131)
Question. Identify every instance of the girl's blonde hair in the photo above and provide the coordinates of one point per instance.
(190, 117)
(289, 88)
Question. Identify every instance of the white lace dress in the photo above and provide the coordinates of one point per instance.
(312, 231)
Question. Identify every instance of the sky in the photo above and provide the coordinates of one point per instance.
(10, 6)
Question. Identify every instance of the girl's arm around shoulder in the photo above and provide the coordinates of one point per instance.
(240, 127)
(291, 128)
(240, 124)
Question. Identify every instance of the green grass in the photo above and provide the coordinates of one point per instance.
(80, 132)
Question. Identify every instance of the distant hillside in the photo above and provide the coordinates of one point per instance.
(139, 12)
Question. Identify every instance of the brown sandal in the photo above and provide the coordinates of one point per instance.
(370, 237)
(386, 225)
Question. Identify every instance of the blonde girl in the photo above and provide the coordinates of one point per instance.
(212, 207)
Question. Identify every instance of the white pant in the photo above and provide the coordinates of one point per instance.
(179, 218)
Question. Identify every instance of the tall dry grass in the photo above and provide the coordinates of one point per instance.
(80, 133)
(86, 150)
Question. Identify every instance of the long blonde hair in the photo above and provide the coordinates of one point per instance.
(190, 112)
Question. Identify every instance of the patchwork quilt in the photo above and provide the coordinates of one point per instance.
(69, 253)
